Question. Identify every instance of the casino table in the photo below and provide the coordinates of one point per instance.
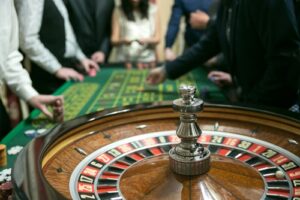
(123, 152)
(112, 87)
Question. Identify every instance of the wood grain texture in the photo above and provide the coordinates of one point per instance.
(227, 179)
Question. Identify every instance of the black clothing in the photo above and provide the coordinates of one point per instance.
(4, 121)
(91, 21)
(259, 41)
(46, 83)
(297, 13)
(53, 36)
(53, 22)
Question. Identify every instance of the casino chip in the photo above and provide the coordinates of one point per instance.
(5, 175)
(41, 131)
(32, 133)
(141, 126)
(14, 150)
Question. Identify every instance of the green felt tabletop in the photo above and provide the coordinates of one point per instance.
(112, 87)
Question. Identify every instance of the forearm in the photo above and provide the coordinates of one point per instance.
(171, 36)
(173, 25)
(206, 48)
(185, 63)
(120, 41)
(17, 78)
(11, 71)
(79, 54)
(151, 40)
(41, 56)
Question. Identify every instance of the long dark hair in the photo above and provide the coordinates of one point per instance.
(127, 8)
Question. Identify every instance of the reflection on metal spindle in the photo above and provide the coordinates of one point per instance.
(189, 157)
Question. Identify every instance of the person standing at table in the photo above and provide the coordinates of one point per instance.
(196, 15)
(13, 74)
(136, 33)
(91, 20)
(260, 42)
(47, 38)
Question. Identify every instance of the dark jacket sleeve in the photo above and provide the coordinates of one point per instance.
(103, 15)
(105, 45)
(173, 26)
(207, 47)
(276, 26)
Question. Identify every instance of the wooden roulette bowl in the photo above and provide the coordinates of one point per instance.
(123, 154)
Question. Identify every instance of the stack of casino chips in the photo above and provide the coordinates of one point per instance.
(3, 157)
(5, 184)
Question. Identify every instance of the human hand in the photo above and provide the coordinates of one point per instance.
(89, 66)
(68, 74)
(147, 65)
(156, 76)
(169, 54)
(143, 41)
(220, 78)
(56, 102)
(127, 41)
(98, 57)
(198, 20)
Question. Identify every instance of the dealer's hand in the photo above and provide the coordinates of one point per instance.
(156, 76)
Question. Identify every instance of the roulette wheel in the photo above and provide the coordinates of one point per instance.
(124, 154)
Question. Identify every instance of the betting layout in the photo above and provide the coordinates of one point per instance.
(115, 87)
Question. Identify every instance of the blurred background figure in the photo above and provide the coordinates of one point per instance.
(197, 14)
(260, 43)
(136, 33)
(13, 74)
(91, 21)
(47, 38)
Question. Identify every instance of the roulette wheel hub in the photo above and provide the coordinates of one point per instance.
(189, 157)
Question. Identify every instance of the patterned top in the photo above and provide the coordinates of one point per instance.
(133, 30)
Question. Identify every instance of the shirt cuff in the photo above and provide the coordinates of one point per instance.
(53, 67)
(80, 55)
(26, 92)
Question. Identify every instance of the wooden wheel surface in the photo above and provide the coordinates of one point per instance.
(124, 155)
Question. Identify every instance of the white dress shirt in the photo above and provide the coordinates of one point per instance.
(11, 71)
(30, 14)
